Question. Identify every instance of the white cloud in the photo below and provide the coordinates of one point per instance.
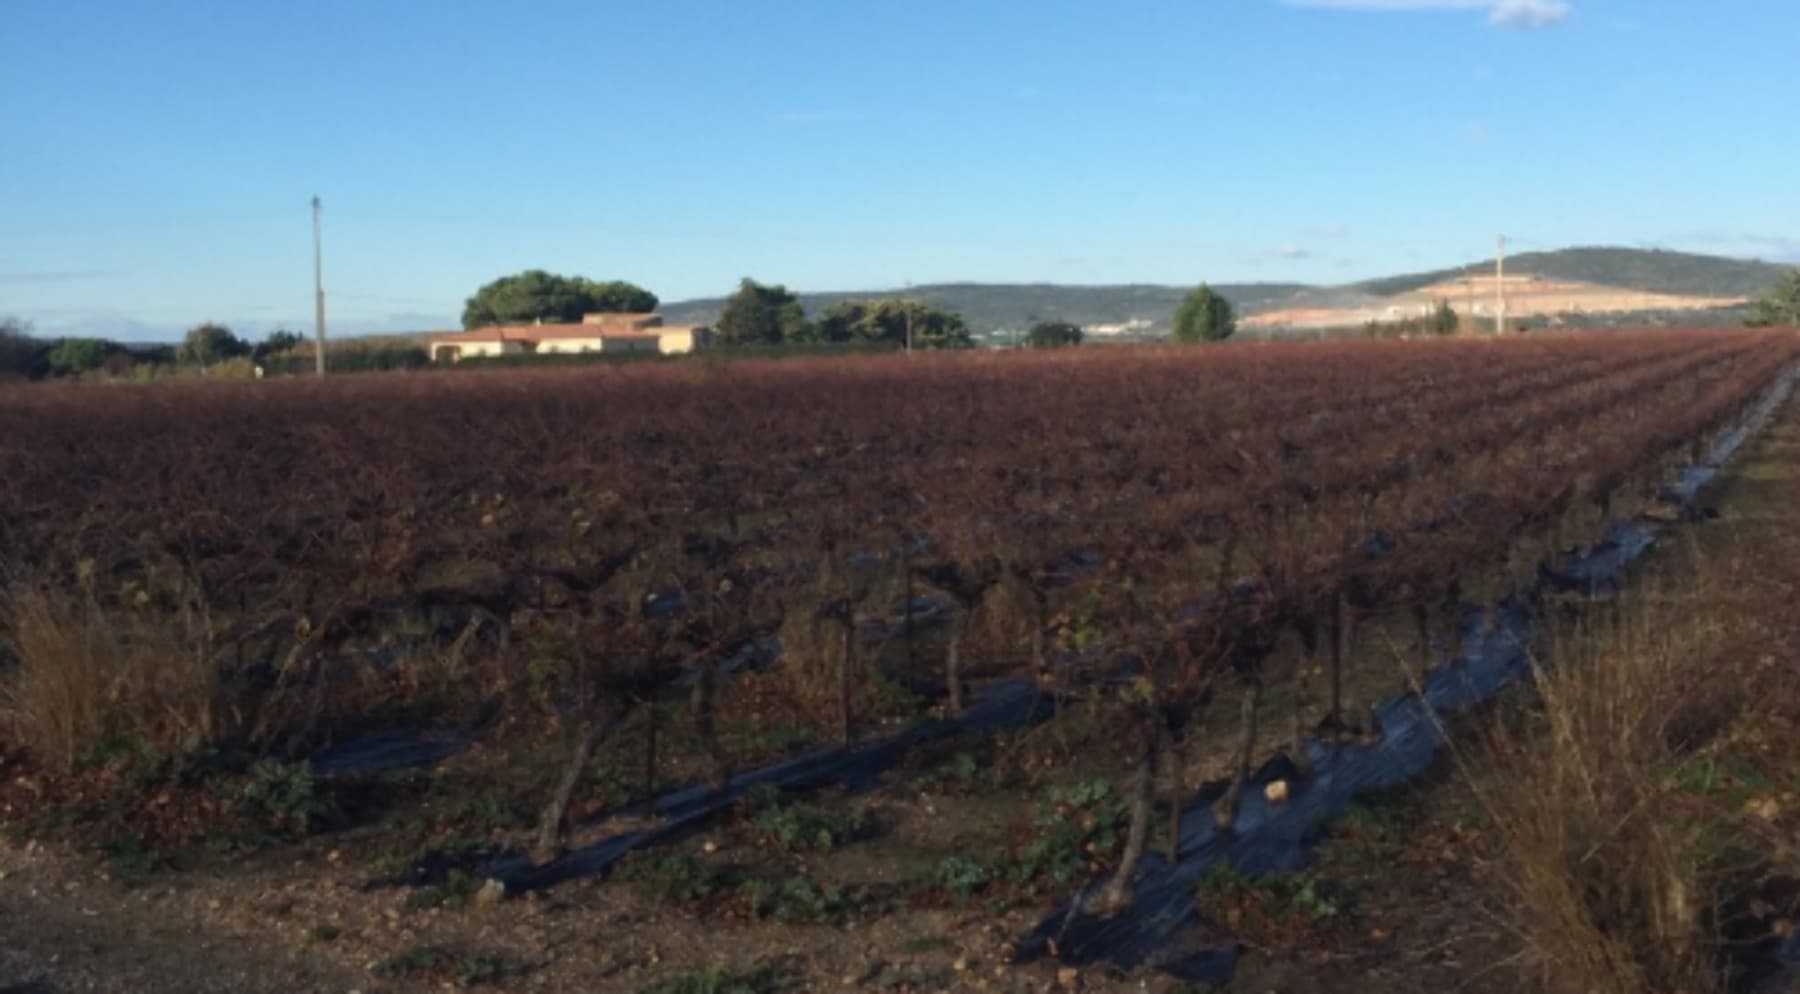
(1529, 13)
(1393, 4)
(24, 278)
(1501, 13)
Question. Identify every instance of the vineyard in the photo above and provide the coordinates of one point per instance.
(616, 584)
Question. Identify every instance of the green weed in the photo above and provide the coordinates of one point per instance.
(130, 861)
(1076, 829)
(798, 900)
(962, 773)
(1731, 781)
(1269, 910)
(1364, 840)
(285, 799)
(960, 877)
(799, 826)
(724, 980)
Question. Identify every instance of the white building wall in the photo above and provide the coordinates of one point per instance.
(571, 345)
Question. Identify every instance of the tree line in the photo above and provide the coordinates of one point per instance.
(209, 349)
(205, 347)
(762, 314)
(770, 314)
(756, 315)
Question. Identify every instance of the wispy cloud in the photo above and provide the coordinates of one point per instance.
(15, 278)
(1289, 253)
(1326, 231)
(1500, 13)
(1781, 248)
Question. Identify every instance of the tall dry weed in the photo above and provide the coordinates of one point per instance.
(1604, 873)
(84, 676)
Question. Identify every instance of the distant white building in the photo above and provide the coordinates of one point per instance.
(595, 333)
(1135, 326)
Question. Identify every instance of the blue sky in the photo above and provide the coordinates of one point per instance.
(156, 159)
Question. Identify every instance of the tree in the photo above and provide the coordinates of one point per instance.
(280, 342)
(1053, 334)
(74, 356)
(21, 356)
(535, 295)
(889, 322)
(210, 343)
(759, 314)
(1204, 316)
(1443, 319)
(1782, 305)
(841, 322)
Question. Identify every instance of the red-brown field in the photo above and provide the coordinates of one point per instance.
(207, 584)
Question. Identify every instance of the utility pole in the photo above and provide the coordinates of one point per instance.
(1500, 289)
(906, 307)
(318, 293)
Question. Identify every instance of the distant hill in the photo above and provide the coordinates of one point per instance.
(1651, 270)
(993, 306)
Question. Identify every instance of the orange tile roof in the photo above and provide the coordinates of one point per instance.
(629, 319)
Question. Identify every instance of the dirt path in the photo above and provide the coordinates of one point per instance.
(61, 931)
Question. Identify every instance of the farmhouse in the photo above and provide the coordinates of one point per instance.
(596, 333)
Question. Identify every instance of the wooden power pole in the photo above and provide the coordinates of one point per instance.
(318, 294)
(1500, 288)
(906, 307)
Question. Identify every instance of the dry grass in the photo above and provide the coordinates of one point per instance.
(1606, 871)
(85, 676)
